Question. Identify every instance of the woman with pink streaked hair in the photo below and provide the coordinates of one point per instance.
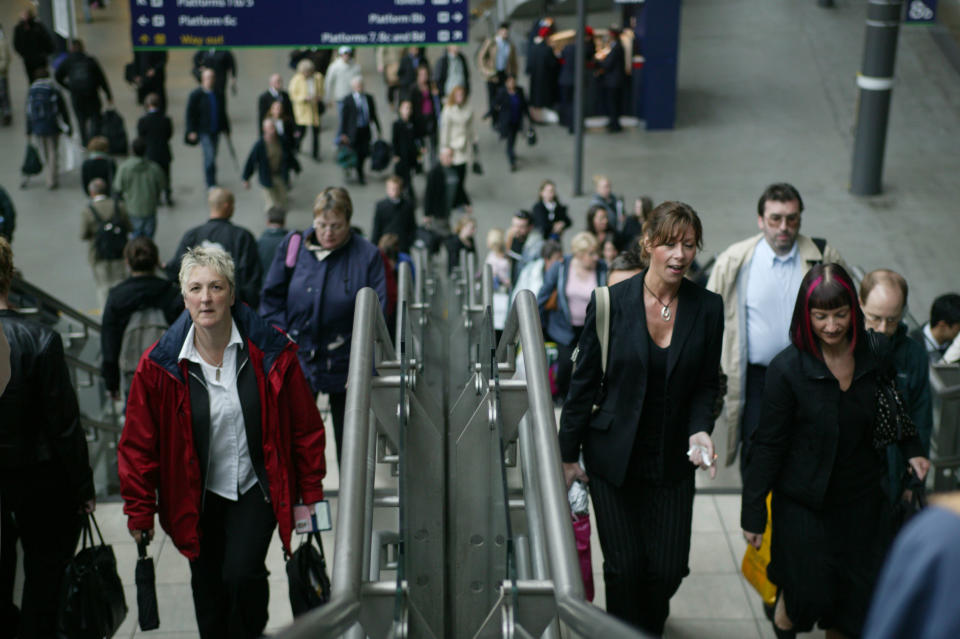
(820, 452)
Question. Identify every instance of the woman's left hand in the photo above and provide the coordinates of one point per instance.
(920, 466)
(697, 456)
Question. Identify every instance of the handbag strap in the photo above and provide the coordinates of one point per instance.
(91, 518)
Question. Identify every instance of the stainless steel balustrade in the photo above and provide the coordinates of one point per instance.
(458, 497)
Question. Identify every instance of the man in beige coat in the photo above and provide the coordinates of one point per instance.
(759, 279)
(496, 60)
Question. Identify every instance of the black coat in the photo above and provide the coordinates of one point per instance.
(88, 96)
(221, 61)
(406, 146)
(235, 240)
(133, 293)
(258, 161)
(407, 70)
(435, 197)
(263, 105)
(100, 167)
(443, 68)
(41, 417)
(693, 364)
(395, 217)
(569, 62)
(503, 112)
(348, 119)
(614, 73)
(426, 125)
(794, 449)
(543, 69)
(33, 42)
(543, 220)
(145, 61)
(198, 114)
(156, 129)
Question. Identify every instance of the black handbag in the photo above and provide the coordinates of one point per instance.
(905, 509)
(92, 604)
(893, 422)
(307, 578)
(477, 167)
(531, 136)
(31, 161)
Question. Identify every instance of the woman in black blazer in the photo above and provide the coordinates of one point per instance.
(549, 215)
(815, 449)
(644, 426)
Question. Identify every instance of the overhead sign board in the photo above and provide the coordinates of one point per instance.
(172, 24)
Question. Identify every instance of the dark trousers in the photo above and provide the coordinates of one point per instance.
(644, 530)
(752, 403)
(35, 506)
(493, 85)
(564, 364)
(209, 143)
(229, 578)
(613, 97)
(361, 146)
(338, 404)
(301, 134)
(511, 138)
(87, 111)
(566, 107)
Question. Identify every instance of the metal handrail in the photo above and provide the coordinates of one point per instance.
(554, 510)
(23, 287)
(343, 609)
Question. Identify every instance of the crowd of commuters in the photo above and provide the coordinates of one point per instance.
(779, 343)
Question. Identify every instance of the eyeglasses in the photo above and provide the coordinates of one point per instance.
(322, 227)
(776, 219)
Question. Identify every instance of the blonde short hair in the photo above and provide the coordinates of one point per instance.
(495, 240)
(584, 242)
(212, 257)
(333, 199)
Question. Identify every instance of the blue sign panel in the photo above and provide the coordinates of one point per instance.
(170, 24)
(921, 11)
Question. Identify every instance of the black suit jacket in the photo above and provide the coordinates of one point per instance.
(443, 68)
(198, 113)
(614, 72)
(156, 129)
(693, 364)
(435, 197)
(348, 118)
(395, 217)
(263, 105)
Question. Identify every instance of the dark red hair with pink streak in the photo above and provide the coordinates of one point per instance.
(825, 287)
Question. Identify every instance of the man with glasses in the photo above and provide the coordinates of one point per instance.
(759, 278)
(883, 298)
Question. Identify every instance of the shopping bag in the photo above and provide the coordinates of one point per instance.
(92, 604)
(581, 534)
(307, 578)
(148, 613)
(754, 566)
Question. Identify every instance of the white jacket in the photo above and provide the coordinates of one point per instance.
(725, 279)
(457, 131)
(337, 82)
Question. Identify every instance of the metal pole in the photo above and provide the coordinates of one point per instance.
(578, 81)
(875, 82)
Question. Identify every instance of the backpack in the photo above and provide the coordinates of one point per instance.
(82, 79)
(112, 128)
(42, 110)
(146, 325)
(380, 155)
(110, 238)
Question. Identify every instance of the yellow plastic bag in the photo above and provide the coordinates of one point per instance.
(754, 566)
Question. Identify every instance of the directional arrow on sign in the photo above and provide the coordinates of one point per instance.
(143, 21)
(457, 17)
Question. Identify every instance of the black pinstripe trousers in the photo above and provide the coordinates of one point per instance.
(644, 531)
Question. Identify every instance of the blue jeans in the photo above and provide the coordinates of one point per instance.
(208, 142)
(143, 226)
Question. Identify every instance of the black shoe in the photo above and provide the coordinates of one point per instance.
(513, 167)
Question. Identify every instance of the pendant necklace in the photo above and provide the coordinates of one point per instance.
(665, 314)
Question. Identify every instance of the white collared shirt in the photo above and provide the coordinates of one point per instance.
(229, 468)
(772, 286)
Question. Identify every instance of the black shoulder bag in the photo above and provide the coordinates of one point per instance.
(893, 422)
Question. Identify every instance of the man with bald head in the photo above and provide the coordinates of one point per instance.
(274, 93)
(883, 298)
(235, 240)
(206, 120)
(358, 114)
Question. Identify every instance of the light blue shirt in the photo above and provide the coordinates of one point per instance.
(503, 54)
(772, 285)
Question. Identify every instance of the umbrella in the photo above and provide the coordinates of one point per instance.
(146, 588)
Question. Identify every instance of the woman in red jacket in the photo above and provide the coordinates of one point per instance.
(222, 436)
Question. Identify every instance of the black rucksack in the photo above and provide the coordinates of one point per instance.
(82, 78)
(110, 238)
(112, 128)
(380, 155)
